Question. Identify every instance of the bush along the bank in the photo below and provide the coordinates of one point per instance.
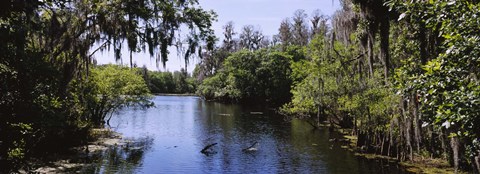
(113, 87)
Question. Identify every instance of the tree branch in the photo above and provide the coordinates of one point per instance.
(100, 47)
(204, 150)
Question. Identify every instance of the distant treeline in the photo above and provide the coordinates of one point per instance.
(177, 82)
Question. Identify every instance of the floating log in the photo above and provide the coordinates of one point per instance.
(253, 147)
(204, 150)
(256, 113)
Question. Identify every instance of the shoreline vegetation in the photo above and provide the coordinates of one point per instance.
(82, 156)
(420, 164)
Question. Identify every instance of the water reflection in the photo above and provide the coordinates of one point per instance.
(180, 127)
(123, 158)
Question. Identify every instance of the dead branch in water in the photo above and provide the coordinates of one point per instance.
(204, 150)
(252, 147)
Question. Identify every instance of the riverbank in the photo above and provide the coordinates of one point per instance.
(80, 157)
(418, 165)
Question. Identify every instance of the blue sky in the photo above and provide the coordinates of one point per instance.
(263, 14)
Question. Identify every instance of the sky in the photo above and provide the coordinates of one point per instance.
(265, 15)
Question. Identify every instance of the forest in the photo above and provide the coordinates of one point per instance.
(177, 82)
(401, 75)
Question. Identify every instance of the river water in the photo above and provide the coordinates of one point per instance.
(168, 138)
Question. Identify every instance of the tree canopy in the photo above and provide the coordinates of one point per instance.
(49, 91)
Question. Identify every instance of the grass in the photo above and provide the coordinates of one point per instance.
(428, 165)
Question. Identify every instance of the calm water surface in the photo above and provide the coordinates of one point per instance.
(169, 137)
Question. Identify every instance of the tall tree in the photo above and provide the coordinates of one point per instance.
(300, 28)
(229, 42)
(319, 23)
(345, 22)
(376, 17)
(285, 32)
(250, 38)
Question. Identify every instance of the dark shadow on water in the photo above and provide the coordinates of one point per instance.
(124, 158)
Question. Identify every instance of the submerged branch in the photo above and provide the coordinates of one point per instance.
(204, 150)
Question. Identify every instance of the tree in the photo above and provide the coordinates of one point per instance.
(319, 23)
(376, 17)
(345, 23)
(285, 32)
(113, 87)
(212, 60)
(300, 29)
(229, 42)
(148, 25)
(180, 79)
(250, 38)
(447, 85)
(261, 75)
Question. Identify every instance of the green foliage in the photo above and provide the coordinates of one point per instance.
(161, 82)
(262, 74)
(113, 87)
(314, 79)
(17, 151)
(178, 82)
(328, 82)
(214, 88)
(447, 83)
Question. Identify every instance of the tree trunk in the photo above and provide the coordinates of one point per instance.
(370, 53)
(318, 116)
(131, 59)
(382, 145)
(360, 73)
(401, 131)
(432, 139)
(443, 139)
(423, 44)
(384, 45)
(409, 138)
(390, 136)
(417, 123)
(355, 128)
(455, 144)
(408, 128)
(477, 161)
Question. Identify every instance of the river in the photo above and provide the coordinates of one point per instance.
(168, 138)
